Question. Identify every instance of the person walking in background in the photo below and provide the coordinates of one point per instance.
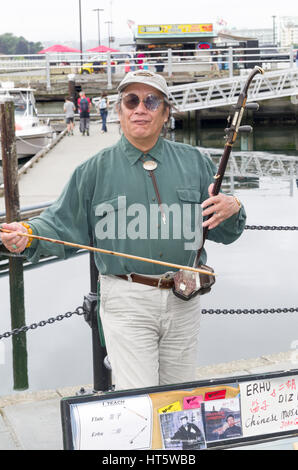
(145, 65)
(103, 106)
(84, 105)
(69, 109)
(127, 66)
(140, 60)
(132, 64)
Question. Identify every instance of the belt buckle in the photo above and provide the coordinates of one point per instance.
(165, 277)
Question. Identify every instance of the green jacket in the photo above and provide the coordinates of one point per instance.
(111, 198)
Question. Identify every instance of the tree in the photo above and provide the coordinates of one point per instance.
(34, 47)
(22, 46)
(11, 45)
(7, 43)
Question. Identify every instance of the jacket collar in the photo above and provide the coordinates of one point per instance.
(133, 154)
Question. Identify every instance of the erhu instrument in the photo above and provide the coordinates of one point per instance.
(188, 284)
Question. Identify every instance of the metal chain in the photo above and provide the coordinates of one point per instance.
(81, 311)
(271, 227)
(33, 326)
(251, 311)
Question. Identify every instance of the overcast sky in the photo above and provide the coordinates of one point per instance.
(58, 20)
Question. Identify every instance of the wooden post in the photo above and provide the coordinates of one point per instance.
(12, 206)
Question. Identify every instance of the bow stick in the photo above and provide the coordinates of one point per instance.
(107, 252)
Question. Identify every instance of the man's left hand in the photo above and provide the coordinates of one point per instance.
(219, 208)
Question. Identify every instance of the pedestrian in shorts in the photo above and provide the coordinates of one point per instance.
(69, 109)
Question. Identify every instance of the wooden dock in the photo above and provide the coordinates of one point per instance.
(45, 180)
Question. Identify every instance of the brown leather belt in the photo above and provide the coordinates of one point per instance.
(161, 282)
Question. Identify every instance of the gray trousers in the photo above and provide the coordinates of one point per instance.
(84, 124)
(151, 335)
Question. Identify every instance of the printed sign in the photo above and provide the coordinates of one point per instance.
(192, 402)
(183, 430)
(124, 423)
(217, 395)
(211, 416)
(170, 408)
(223, 419)
(269, 406)
(175, 29)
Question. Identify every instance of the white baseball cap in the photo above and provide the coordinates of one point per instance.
(146, 77)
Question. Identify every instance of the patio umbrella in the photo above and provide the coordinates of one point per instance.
(102, 49)
(58, 48)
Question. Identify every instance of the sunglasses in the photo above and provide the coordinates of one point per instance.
(151, 102)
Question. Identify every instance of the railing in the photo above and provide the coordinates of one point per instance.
(224, 92)
(231, 61)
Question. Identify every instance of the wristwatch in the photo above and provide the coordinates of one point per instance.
(238, 202)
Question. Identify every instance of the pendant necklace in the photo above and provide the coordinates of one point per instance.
(150, 166)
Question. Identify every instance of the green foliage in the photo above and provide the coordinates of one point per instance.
(10, 45)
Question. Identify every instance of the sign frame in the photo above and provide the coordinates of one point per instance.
(196, 30)
(66, 402)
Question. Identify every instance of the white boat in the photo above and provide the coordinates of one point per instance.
(31, 134)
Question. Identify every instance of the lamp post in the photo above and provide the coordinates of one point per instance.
(80, 21)
(98, 22)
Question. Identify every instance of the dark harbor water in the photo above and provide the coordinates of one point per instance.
(257, 271)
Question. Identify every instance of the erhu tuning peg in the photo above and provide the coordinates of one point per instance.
(252, 106)
(240, 129)
(245, 129)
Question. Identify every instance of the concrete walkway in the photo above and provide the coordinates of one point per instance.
(31, 420)
(46, 179)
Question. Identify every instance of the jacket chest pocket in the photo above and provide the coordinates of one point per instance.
(192, 219)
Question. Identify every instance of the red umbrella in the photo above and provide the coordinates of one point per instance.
(102, 49)
(58, 48)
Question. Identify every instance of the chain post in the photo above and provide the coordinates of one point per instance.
(101, 375)
(12, 207)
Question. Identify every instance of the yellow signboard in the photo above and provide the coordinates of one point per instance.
(175, 29)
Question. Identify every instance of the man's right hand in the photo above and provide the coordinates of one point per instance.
(13, 242)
